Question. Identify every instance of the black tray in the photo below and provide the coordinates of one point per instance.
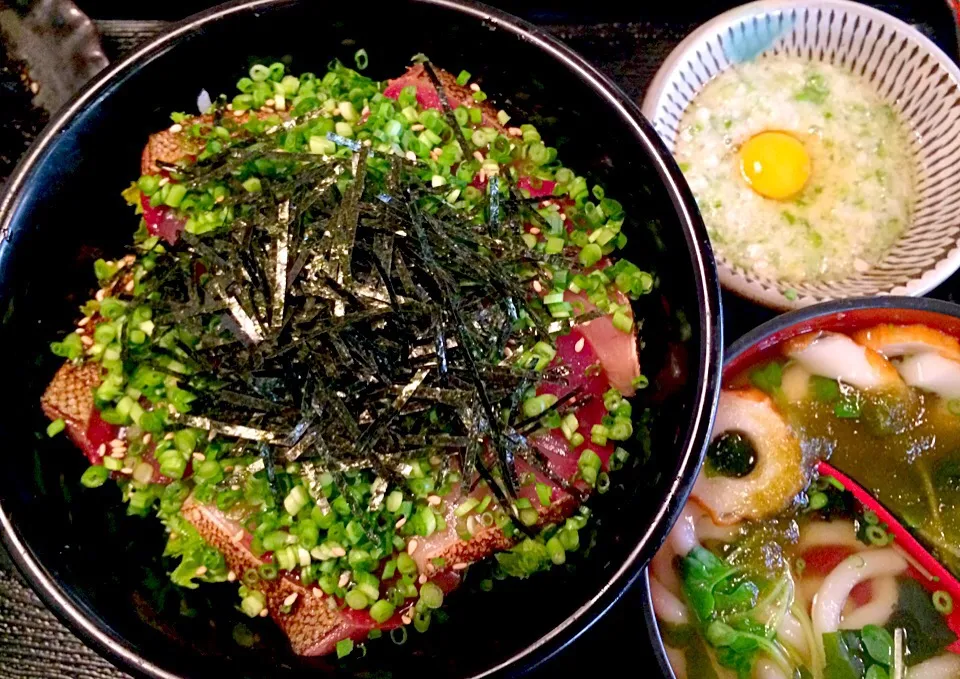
(629, 44)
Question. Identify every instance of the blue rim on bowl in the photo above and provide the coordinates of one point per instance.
(52, 163)
(909, 72)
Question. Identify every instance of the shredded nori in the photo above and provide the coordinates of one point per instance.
(359, 320)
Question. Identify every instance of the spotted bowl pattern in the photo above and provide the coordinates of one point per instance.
(909, 72)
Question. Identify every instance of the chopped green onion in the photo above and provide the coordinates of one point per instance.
(544, 492)
(56, 427)
(94, 476)
(590, 254)
(570, 539)
(577, 440)
(394, 500)
(361, 59)
(554, 245)
(818, 501)
(603, 482)
(431, 595)
(267, 571)
(252, 604)
(398, 635)
(621, 430)
(175, 195)
(382, 610)
(622, 322)
(356, 600)
(344, 648)
(877, 536)
(252, 185)
(529, 517)
(296, 500)
(943, 602)
(466, 506)
(555, 551)
(537, 405)
(598, 434)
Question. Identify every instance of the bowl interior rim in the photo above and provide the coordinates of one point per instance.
(86, 623)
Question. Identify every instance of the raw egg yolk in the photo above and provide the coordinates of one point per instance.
(775, 164)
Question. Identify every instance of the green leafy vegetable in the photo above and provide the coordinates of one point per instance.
(767, 378)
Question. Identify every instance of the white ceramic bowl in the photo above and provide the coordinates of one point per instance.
(908, 71)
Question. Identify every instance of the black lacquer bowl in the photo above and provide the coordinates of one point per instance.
(100, 570)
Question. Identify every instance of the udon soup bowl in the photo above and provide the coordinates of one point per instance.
(100, 570)
(906, 69)
(759, 344)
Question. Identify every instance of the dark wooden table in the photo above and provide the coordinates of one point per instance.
(628, 43)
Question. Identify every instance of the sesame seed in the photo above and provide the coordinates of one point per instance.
(269, 102)
(478, 156)
(364, 111)
(231, 576)
(331, 603)
(290, 600)
(101, 293)
(168, 436)
(87, 341)
(129, 286)
(84, 321)
(578, 347)
(264, 613)
(119, 453)
(338, 551)
(79, 331)
(235, 487)
(126, 470)
(229, 107)
(176, 127)
(199, 457)
(164, 181)
(116, 443)
(475, 87)
(102, 450)
(406, 619)
(201, 570)
(535, 231)
(129, 259)
(212, 435)
(417, 127)
(400, 522)
(147, 438)
(344, 579)
(412, 546)
(34, 87)
(317, 593)
(411, 156)
(563, 216)
(537, 287)
(433, 500)
(514, 131)
(460, 566)
(435, 460)
(238, 114)
(238, 536)
(422, 579)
